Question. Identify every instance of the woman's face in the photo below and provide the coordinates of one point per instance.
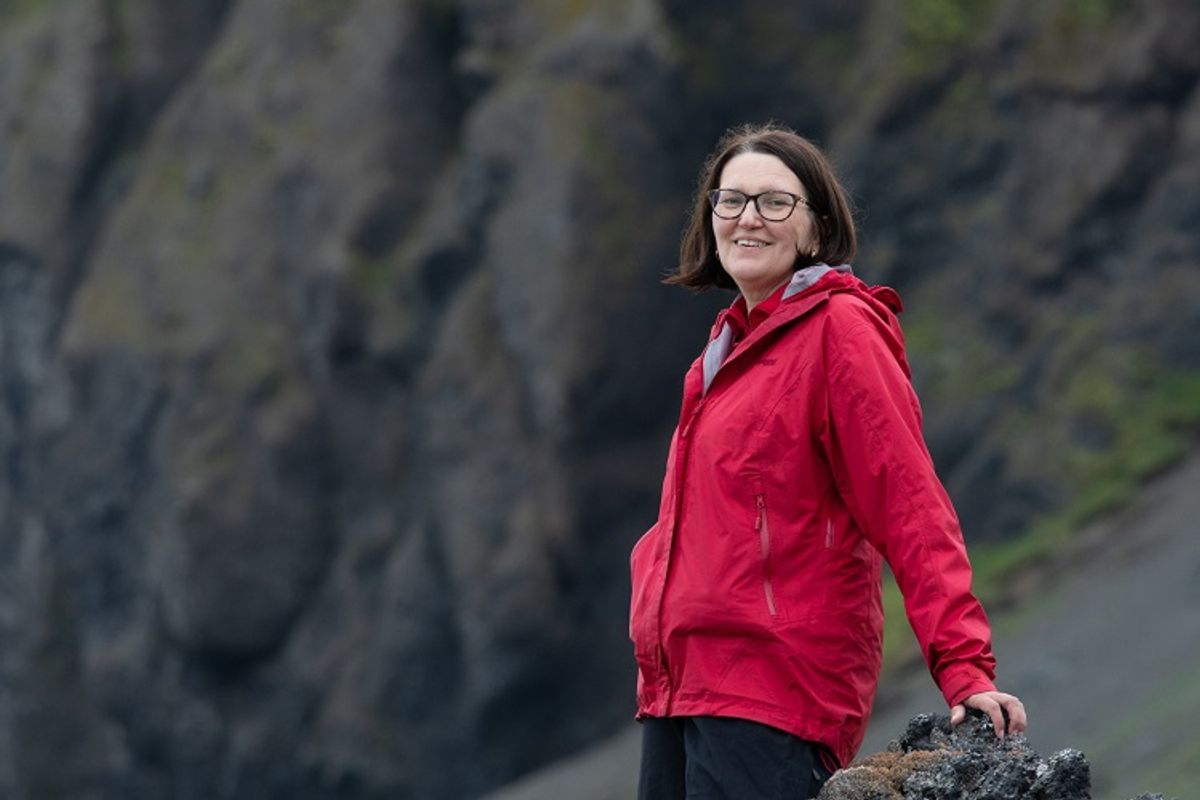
(759, 254)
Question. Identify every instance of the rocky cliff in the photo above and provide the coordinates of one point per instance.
(335, 379)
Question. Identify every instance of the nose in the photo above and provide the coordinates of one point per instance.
(754, 220)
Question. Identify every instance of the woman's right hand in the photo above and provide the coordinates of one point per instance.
(995, 705)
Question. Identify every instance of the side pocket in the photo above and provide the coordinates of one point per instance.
(764, 537)
(639, 580)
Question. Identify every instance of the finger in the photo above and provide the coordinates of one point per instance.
(1017, 720)
(957, 714)
(992, 709)
(1014, 710)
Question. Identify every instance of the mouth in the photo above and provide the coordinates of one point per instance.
(750, 243)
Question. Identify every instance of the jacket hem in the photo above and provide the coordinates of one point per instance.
(808, 727)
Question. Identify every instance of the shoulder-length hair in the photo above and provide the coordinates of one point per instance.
(836, 241)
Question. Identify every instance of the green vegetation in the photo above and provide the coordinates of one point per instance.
(372, 275)
(229, 59)
(935, 28)
(900, 646)
(1072, 32)
(105, 311)
(965, 120)
(123, 34)
(13, 12)
(253, 359)
(1095, 13)
(581, 135)
(560, 15)
(387, 285)
(1149, 415)
(1169, 757)
(1144, 418)
(958, 364)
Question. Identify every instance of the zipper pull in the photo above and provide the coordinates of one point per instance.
(761, 505)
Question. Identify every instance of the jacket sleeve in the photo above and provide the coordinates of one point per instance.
(886, 476)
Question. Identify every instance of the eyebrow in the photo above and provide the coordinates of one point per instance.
(764, 191)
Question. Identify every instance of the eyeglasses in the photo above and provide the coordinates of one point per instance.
(774, 206)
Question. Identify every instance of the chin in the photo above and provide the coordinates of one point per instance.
(759, 277)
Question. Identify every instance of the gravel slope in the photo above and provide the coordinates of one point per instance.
(1105, 659)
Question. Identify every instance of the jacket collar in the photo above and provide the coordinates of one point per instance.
(809, 276)
(792, 305)
(801, 280)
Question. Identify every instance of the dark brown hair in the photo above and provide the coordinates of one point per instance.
(698, 265)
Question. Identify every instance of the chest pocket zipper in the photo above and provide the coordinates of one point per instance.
(764, 537)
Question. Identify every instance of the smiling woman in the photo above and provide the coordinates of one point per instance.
(779, 160)
(797, 467)
(759, 250)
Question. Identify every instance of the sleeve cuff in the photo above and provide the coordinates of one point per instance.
(963, 681)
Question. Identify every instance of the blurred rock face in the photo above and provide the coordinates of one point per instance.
(335, 379)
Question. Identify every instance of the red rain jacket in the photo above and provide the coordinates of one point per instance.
(756, 594)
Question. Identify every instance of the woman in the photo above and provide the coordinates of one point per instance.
(797, 464)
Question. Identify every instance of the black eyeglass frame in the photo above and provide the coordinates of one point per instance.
(747, 198)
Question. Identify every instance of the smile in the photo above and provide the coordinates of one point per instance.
(749, 243)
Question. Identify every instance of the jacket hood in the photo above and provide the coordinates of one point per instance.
(818, 279)
(884, 299)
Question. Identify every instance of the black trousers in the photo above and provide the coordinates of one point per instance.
(719, 758)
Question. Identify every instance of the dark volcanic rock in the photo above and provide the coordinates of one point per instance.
(931, 761)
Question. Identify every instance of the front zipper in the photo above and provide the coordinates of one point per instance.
(764, 537)
(828, 533)
(687, 428)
